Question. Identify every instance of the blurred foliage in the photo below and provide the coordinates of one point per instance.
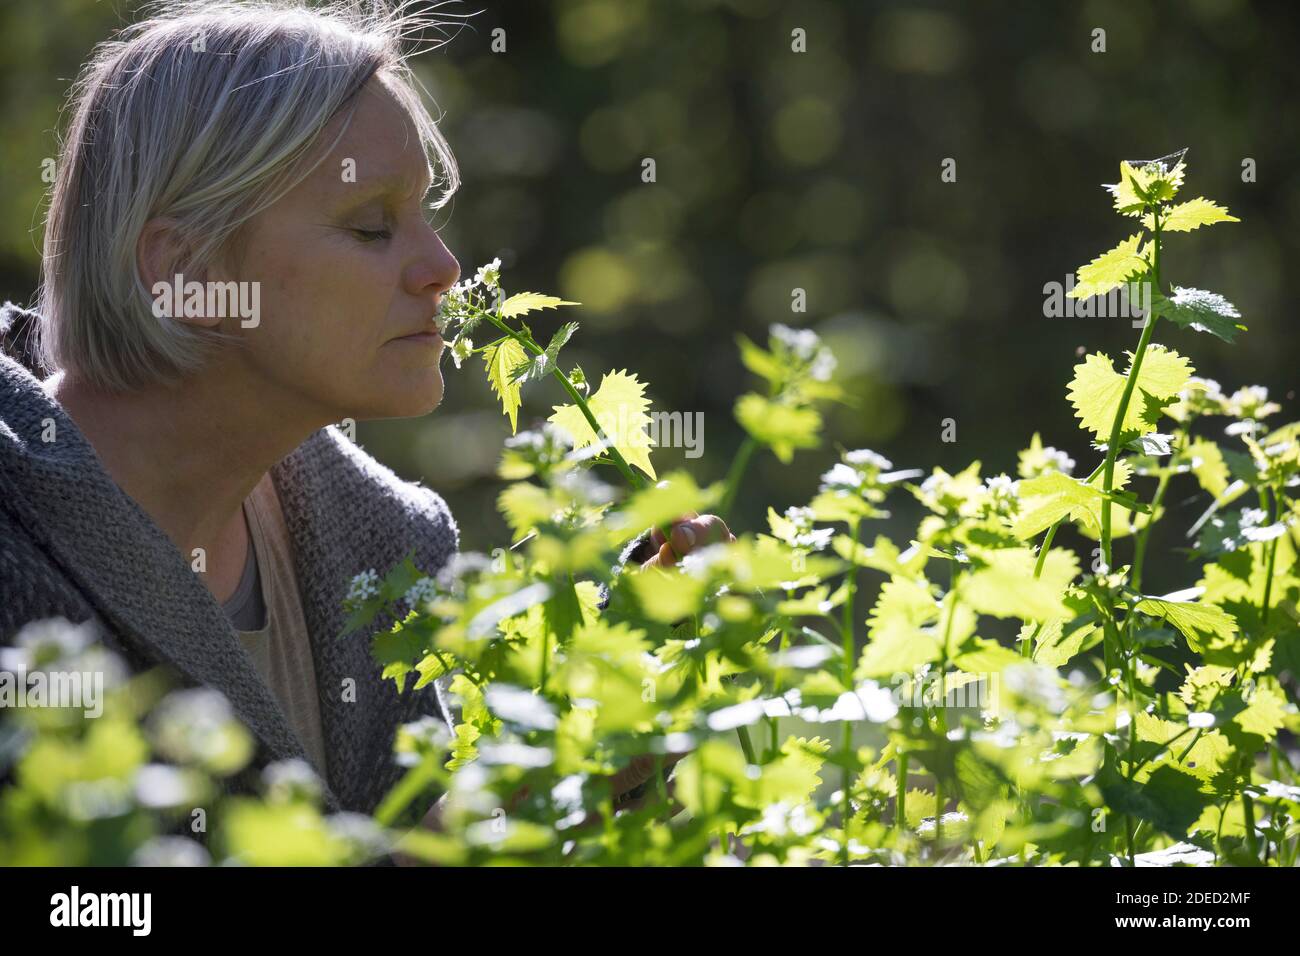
(817, 170)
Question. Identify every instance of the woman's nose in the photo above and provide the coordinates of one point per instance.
(436, 269)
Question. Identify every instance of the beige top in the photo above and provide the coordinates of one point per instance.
(281, 649)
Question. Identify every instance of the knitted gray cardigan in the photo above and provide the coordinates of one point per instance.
(73, 544)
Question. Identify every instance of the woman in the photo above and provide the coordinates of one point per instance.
(236, 258)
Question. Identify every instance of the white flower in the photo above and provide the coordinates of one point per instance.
(1001, 487)
(420, 593)
(461, 349)
(1211, 391)
(865, 457)
(802, 342)
(364, 586)
(1060, 460)
(489, 276)
(823, 366)
(805, 535)
(842, 477)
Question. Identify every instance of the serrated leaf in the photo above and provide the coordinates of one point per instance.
(1196, 621)
(1142, 182)
(521, 303)
(1096, 390)
(619, 407)
(1200, 311)
(1153, 443)
(524, 505)
(1190, 215)
(783, 428)
(501, 359)
(1265, 714)
(1051, 497)
(541, 365)
(1169, 799)
(1110, 270)
(1005, 585)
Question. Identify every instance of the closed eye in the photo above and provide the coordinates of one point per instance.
(372, 235)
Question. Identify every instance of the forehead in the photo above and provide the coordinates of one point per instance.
(381, 148)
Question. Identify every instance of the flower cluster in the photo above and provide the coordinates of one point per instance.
(1038, 460)
(362, 588)
(857, 473)
(806, 348)
(420, 593)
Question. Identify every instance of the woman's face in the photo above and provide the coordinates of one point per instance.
(351, 276)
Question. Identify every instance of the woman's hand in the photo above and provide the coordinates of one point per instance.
(689, 533)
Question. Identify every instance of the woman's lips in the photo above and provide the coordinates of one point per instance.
(427, 338)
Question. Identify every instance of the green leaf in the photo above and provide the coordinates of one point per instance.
(1048, 499)
(1142, 183)
(1110, 269)
(1196, 621)
(524, 506)
(1170, 799)
(897, 652)
(619, 407)
(1055, 645)
(400, 645)
(1152, 444)
(662, 502)
(1005, 585)
(539, 366)
(760, 361)
(521, 303)
(1265, 714)
(501, 359)
(1208, 466)
(783, 428)
(904, 606)
(1200, 311)
(1051, 497)
(667, 595)
(1190, 215)
(1096, 390)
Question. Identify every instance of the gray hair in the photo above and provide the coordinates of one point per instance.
(204, 114)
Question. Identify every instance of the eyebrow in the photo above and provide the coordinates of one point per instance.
(393, 184)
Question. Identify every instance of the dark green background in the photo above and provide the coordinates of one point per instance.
(819, 170)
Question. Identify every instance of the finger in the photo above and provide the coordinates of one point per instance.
(699, 532)
(666, 558)
(657, 535)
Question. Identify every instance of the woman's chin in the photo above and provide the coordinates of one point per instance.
(406, 397)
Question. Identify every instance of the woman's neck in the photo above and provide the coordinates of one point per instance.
(187, 454)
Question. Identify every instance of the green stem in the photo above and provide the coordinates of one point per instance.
(407, 789)
(940, 715)
(850, 587)
(1140, 549)
(1248, 813)
(1112, 447)
(900, 815)
(632, 478)
(1027, 648)
(1272, 559)
(736, 472)
(746, 746)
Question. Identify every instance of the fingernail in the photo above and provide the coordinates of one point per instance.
(690, 535)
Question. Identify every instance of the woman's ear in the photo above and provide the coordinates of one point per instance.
(161, 253)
